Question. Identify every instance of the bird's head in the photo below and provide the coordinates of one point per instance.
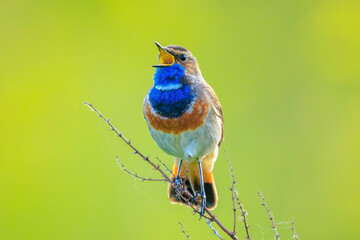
(172, 55)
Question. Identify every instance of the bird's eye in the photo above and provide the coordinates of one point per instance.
(183, 57)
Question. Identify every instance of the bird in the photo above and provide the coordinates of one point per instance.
(185, 118)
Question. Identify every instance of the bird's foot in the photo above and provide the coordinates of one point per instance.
(195, 197)
(178, 183)
(202, 202)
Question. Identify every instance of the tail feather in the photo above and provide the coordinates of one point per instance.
(190, 173)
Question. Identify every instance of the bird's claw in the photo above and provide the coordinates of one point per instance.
(202, 203)
(178, 183)
(194, 198)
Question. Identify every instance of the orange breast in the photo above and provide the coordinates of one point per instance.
(188, 121)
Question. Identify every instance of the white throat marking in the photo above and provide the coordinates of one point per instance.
(171, 86)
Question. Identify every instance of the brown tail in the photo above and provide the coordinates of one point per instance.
(192, 182)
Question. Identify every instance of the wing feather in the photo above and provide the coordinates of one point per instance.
(215, 103)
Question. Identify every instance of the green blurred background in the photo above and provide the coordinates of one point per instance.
(286, 72)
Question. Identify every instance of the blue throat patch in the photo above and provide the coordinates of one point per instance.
(169, 97)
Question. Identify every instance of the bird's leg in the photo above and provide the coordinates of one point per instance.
(177, 178)
(202, 193)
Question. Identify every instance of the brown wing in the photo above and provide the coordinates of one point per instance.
(218, 109)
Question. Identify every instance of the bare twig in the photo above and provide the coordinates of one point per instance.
(243, 214)
(277, 235)
(295, 236)
(128, 142)
(213, 230)
(186, 195)
(183, 231)
(137, 176)
(234, 197)
(166, 167)
(232, 189)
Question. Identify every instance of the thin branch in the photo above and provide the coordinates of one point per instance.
(277, 235)
(128, 142)
(234, 197)
(166, 167)
(183, 194)
(137, 176)
(213, 230)
(232, 189)
(183, 231)
(243, 214)
(295, 236)
(186, 200)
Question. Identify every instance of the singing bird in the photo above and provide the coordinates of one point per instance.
(185, 118)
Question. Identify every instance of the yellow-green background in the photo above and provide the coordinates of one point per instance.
(286, 72)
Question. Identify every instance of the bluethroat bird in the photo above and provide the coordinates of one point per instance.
(185, 119)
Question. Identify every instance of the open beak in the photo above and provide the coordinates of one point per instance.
(166, 58)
